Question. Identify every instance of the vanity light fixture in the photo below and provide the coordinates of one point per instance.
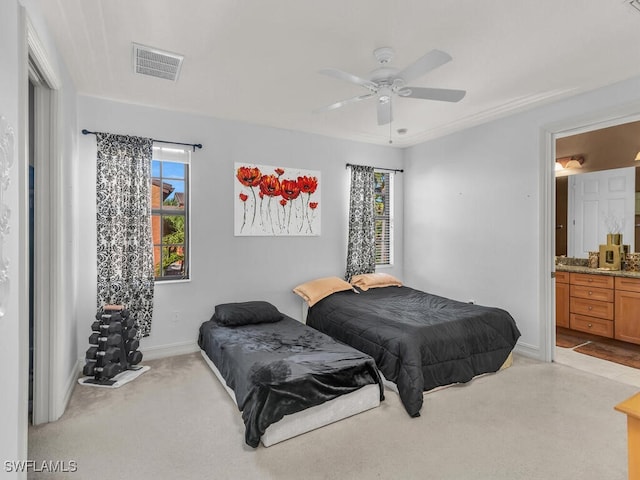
(638, 157)
(574, 161)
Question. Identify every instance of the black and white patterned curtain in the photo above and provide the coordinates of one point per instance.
(125, 245)
(361, 252)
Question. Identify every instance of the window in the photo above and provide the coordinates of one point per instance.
(170, 212)
(383, 217)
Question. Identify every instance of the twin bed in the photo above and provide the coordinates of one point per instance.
(288, 378)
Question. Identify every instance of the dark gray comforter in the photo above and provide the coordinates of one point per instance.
(418, 340)
(280, 368)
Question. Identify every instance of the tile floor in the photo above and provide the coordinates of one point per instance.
(614, 371)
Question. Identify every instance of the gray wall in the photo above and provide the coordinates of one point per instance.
(473, 207)
(226, 268)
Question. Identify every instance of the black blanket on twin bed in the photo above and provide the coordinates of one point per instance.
(280, 368)
(418, 340)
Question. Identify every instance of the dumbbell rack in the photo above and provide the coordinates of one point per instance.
(114, 347)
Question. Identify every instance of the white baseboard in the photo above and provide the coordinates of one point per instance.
(527, 350)
(150, 353)
(171, 350)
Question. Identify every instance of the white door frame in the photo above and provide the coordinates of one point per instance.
(626, 113)
(47, 242)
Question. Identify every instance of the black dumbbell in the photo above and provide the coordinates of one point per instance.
(113, 327)
(98, 338)
(130, 333)
(103, 316)
(132, 345)
(112, 317)
(128, 322)
(107, 317)
(108, 371)
(110, 354)
(89, 367)
(134, 358)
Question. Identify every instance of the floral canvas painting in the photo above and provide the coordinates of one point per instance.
(272, 200)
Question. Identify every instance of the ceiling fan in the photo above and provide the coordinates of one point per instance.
(386, 81)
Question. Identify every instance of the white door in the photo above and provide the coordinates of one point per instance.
(600, 203)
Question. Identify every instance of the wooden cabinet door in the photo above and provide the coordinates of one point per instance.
(627, 326)
(562, 305)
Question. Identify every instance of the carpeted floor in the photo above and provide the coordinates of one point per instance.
(531, 421)
(608, 349)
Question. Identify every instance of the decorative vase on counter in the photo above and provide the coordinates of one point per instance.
(612, 254)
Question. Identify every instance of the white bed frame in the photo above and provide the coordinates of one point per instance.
(298, 423)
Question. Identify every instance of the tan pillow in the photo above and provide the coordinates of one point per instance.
(366, 281)
(316, 290)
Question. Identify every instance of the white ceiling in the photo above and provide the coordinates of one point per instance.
(257, 60)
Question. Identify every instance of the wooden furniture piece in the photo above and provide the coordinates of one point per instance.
(562, 299)
(627, 301)
(591, 304)
(631, 407)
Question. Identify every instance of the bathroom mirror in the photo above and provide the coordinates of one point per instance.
(606, 150)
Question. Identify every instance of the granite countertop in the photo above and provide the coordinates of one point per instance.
(596, 271)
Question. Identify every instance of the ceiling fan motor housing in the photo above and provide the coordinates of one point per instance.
(384, 75)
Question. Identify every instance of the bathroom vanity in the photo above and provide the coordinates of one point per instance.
(599, 302)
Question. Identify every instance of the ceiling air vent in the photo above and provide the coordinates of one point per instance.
(156, 63)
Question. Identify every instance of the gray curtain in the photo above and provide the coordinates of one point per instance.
(125, 244)
(361, 252)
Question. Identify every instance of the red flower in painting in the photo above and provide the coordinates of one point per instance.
(270, 185)
(283, 202)
(313, 205)
(307, 184)
(279, 171)
(243, 197)
(261, 195)
(289, 189)
(249, 176)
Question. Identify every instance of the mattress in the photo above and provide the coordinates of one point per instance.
(295, 424)
(419, 341)
(279, 369)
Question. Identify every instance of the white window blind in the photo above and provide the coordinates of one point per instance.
(383, 209)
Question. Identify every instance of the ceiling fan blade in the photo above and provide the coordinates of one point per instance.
(384, 113)
(424, 64)
(441, 94)
(349, 77)
(342, 103)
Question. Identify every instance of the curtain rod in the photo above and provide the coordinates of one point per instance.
(194, 145)
(377, 168)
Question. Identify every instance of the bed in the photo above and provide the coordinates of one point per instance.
(285, 377)
(419, 341)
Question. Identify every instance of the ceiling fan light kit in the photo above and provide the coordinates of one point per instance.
(386, 81)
